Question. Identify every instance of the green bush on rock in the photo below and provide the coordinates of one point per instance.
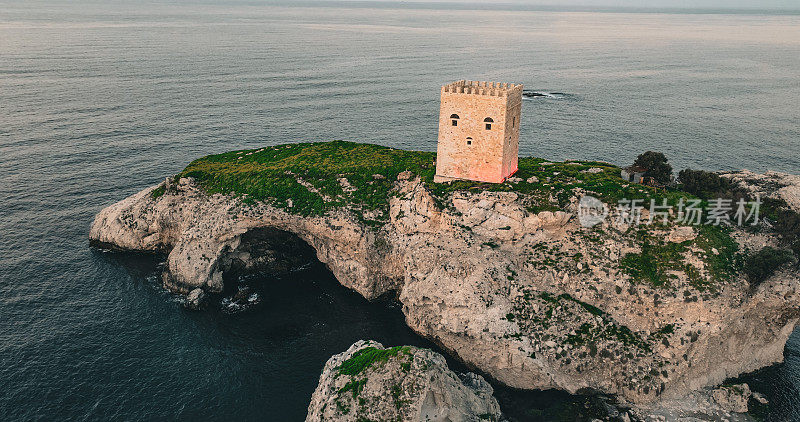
(763, 264)
(368, 356)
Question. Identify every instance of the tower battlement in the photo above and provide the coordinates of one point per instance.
(493, 89)
(478, 131)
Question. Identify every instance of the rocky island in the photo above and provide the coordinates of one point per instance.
(502, 276)
(369, 382)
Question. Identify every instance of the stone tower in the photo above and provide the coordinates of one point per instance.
(478, 131)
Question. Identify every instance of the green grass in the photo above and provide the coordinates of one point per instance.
(727, 262)
(587, 333)
(658, 256)
(652, 263)
(368, 356)
(397, 393)
(304, 178)
(157, 192)
(354, 386)
(589, 308)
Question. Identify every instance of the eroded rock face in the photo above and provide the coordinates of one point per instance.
(733, 398)
(408, 384)
(728, 403)
(534, 300)
(208, 235)
(772, 183)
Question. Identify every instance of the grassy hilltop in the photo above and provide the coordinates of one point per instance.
(316, 177)
(313, 178)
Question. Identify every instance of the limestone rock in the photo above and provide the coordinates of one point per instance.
(733, 398)
(554, 220)
(697, 406)
(489, 280)
(408, 384)
(770, 184)
(682, 234)
(196, 299)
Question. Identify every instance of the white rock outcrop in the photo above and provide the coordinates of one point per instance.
(405, 384)
(772, 183)
(495, 284)
(195, 299)
(732, 398)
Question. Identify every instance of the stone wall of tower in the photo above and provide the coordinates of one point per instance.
(511, 146)
(470, 151)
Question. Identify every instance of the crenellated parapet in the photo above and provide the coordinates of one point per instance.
(492, 89)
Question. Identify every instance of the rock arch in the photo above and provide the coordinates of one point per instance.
(267, 250)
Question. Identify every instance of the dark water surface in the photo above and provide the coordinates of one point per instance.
(99, 100)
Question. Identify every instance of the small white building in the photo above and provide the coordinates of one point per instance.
(633, 174)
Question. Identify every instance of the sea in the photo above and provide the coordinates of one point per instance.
(101, 99)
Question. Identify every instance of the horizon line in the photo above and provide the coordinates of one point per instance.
(473, 5)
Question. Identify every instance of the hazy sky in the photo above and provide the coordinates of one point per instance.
(713, 4)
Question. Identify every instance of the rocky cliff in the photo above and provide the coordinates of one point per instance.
(403, 383)
(502, 276)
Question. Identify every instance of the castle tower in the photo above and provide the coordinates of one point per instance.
(478, 131)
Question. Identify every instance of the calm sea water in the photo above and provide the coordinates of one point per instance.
(101, 99)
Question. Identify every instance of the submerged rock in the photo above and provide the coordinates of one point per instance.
(196, 299)
(758, 397)
(244, 299)
(405, 384)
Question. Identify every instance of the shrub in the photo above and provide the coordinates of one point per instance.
(651, 265)
(703, 184)
(157, 192)
(656, 165)
(644, 267)
(763, 264)
(367, 356)
(785, 221)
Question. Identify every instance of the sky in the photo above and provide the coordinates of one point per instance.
(689, 4)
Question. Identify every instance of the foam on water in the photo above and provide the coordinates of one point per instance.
(543, 94)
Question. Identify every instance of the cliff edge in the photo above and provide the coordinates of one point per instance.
(502, 276)
(403, 383)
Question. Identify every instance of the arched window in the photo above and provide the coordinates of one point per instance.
(488, 122)
(469, 141)
(454, 119)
